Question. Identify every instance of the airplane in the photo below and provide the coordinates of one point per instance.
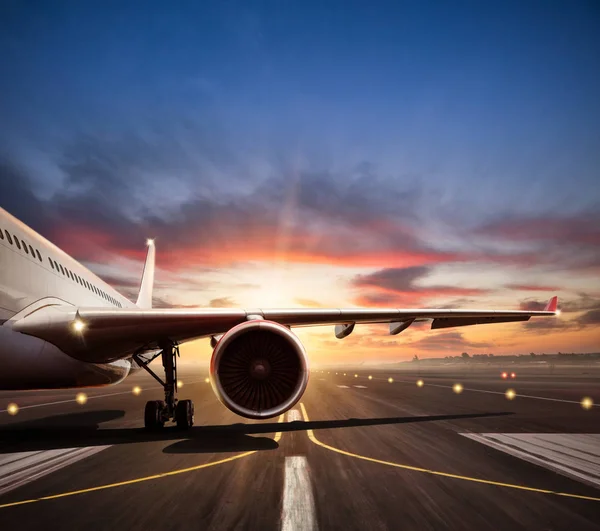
(61, 326)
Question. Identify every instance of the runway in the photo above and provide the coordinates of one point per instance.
(355, 453)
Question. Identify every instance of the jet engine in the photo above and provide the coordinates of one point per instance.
(259, 369)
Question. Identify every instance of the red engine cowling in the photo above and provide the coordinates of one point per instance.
(259, 369)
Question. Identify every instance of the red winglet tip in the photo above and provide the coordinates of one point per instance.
(552, 304)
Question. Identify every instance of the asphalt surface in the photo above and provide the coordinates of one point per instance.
(379, 456)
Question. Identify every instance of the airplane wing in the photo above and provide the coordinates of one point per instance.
(102, 335)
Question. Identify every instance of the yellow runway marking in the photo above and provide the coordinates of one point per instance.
(312, 437)
(278, 434)
(142, 479)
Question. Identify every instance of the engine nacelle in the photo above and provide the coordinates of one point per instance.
(259, 369)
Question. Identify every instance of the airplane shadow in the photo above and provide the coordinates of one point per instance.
(83, 429)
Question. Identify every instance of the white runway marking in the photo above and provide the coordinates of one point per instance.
(343, 387)
(91, 397)
(293, 415)
(574, 455)
(298, 510)
(427, 384)
(20, 468)
(360, 386)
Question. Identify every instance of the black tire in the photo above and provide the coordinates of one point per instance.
(184, 414)
(153, 419)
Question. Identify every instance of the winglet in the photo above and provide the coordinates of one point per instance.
(144, 299)
(552, 305)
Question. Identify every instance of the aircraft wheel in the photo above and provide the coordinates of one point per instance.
(184, 414)
(153, 415)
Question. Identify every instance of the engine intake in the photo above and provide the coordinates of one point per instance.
(259, 369)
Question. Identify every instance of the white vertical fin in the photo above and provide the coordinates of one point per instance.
(144, 299)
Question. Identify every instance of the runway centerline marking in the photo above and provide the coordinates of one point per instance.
(313, 439)
(298, 507)
(141, 479)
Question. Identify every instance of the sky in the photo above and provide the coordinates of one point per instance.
(308, 154)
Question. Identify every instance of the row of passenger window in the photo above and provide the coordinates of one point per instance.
(22, 245)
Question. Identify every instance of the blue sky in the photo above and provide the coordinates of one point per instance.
(460, 138)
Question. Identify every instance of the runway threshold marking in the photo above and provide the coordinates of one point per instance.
(20, 468)
(575, 455)
(139, 480)
(312, 437)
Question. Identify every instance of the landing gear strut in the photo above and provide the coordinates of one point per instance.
(158, 412)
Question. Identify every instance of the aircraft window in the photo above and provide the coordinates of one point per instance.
(32, 251)
(1, 235)
(51, 264)
(62, 269)
(38, 255)
(25, 247)
(8, 237)
(71, 275)
(17, 242)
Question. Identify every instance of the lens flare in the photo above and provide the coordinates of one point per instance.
(587, 403)
(12, 409)
(420, 383)
(81, 398)
(356, 375)
(179, 384)
(137, 390)
(370, 377)
(510, 394)
(207, 379)
(390, 379)
(457, 388)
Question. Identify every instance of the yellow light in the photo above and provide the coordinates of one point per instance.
(587, 403)
(12, 409)
(81, 398)
(457, 388)
(149, 241)
(137, 390)
(557, 313)
(510, 394)
(420, 383)
(78, 325)
(390, 379)
(370, 377)
(356, 375)
(179, 384)
(344, 374)
(207, 379)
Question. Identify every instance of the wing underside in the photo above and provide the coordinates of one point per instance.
(110, 334)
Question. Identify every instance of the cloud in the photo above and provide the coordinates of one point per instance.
(399, 286)
(447, 341)
(222, 302)
(528, 287)
(309, 303)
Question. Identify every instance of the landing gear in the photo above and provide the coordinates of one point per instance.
(153, 418)
(158, 412)
(184, 414)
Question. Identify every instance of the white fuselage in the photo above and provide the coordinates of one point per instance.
(35, 273)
